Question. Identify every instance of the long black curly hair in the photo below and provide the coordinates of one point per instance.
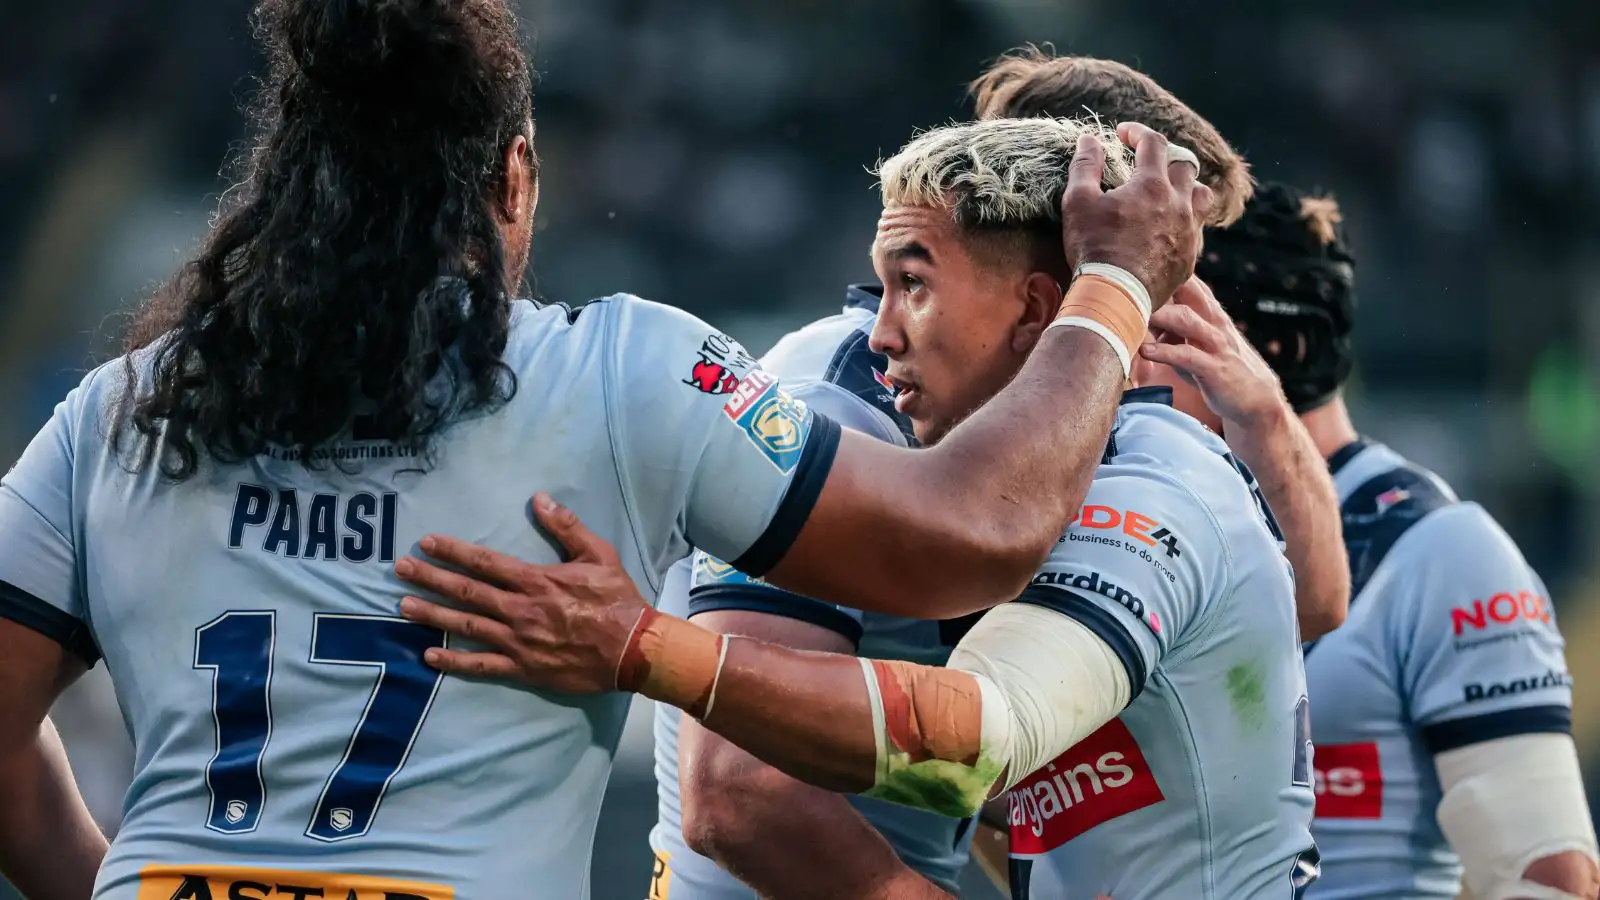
(358, 268)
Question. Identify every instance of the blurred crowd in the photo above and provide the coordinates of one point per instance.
(716, 155)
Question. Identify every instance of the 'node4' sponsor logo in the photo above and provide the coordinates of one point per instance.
(1501, 609)
(1479, 691)
(1349, 782)
(1102, 777)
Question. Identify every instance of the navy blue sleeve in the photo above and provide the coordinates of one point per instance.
(715, 586)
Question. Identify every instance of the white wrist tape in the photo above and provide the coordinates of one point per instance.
(1122, 278)
(1124, 354)
(1510, 802)
(1099, 307)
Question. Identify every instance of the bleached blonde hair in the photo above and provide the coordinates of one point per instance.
(997, 173)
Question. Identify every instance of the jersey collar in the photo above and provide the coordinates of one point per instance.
(863, 296)
(1154, 393)
(1342, 456)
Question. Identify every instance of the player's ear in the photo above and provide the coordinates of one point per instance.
(1041, 300)
(519, 189)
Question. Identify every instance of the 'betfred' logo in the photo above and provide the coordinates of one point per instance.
(1349, 783)
(1102, 777)
(1135, 525)
(749, 389)
(1501, 609)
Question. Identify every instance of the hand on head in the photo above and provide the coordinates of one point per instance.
(1196, 338)
(1149, 226)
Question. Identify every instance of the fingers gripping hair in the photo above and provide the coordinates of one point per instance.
(1002, 174)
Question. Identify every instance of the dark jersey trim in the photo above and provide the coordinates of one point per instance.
(1021, 878)
(1152, 393)
(816, 461)
(1456, 733)
(1379, 512)
(1342, 456)
(1104, 624)
(863, 296)
(773, 601)
(65, 629)
(857, 369)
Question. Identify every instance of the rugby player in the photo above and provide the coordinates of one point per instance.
(1290, 471)
(721, 812)
(217, 512)
(1144, 695)
(1292, 476)
(1443, 706)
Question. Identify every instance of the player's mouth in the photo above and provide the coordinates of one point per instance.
(906, 395)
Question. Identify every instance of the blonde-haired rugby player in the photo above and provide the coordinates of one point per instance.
(730, 827)
(1144, 696)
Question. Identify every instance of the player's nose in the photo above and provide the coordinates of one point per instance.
(886, 337)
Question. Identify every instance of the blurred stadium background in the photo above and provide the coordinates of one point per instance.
(714, 154)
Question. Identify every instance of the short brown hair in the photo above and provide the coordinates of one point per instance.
(1030, 82)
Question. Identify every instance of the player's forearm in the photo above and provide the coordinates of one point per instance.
(964, 525)
(1020, 466)
(736, 810)
(804, 713)
(50, 847)
(1294, 479)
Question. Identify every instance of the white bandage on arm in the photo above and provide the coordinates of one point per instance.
(1020, 688)
(1510, 802)
(1056, 681)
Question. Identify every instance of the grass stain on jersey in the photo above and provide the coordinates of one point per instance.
(948, 788)
(1247, 693)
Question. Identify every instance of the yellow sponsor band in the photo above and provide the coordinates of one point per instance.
(661, 877)
(164, 882)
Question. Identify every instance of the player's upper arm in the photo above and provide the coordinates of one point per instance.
(39, 585)
(718, 591)
(717, 588)
(1137, 566)
(1481, 657)
(705, 438)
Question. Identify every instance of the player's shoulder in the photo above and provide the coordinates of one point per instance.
(1462, 544)
(91, 409)
(1391, 508)
(812, 351)
(1379, 488)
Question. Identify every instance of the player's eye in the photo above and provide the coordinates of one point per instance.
(910, 283)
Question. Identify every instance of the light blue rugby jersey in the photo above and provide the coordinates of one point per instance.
(1451, 641)
(1202, 786)
(287, 735)
(829, 366)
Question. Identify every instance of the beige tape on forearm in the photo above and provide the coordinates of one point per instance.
(1510, 802)
(935, 735)
(674, 661)
(1104, 304)
(1023, 686)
